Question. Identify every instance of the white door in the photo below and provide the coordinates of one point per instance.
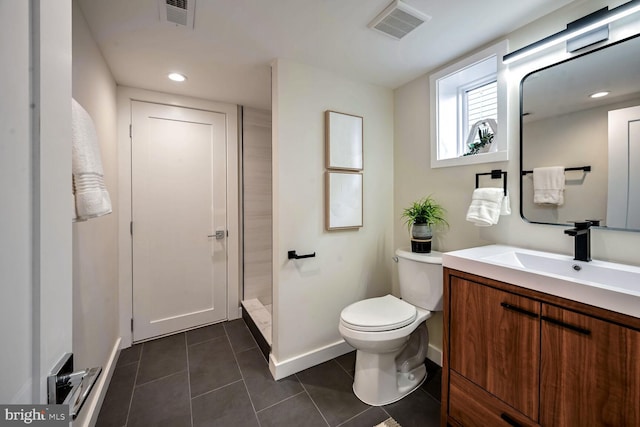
(623, 201)
(178, 204)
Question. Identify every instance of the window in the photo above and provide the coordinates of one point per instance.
(468, 99)
(481, 103)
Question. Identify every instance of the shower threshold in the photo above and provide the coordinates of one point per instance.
(258, 319)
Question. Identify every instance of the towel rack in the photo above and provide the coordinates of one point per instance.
(495, 174)
(579, 168)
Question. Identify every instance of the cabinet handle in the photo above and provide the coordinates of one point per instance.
(517, 309)
(566, 325)
(510, 420)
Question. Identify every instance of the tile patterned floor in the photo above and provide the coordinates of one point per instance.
(216, 376)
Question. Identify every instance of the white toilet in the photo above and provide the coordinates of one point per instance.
(390, 334)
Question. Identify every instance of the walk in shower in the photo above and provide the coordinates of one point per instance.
(257, 226)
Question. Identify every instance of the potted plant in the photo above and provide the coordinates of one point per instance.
(420, 217)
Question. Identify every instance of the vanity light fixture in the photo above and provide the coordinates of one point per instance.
(592, 23)
(177, 77)
(599, 94)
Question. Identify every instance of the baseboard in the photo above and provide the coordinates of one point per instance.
(299, 363)
(282, 369)
(434, 354)
(92, 407)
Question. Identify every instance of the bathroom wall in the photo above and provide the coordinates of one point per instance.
(453, 186)
(349, 265)
(95, 262)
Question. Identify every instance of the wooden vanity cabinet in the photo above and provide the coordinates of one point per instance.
(516, 357)
(590, 371)
(495, 342)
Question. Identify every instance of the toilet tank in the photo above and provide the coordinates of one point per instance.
(420, 277)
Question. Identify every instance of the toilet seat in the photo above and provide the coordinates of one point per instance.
(378, 314)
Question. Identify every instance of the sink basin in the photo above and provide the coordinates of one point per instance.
(602, 284)
(596, 273)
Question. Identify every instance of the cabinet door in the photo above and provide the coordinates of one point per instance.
(495, 342)
(590, 371)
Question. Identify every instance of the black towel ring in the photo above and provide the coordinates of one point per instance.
(495, 174)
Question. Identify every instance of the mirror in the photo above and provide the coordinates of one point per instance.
(561, 125)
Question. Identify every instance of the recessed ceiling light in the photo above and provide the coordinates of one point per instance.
(599, 94)
(177, 77)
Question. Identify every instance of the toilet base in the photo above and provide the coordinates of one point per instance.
(377, 386)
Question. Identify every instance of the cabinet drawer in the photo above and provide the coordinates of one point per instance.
(472, 406)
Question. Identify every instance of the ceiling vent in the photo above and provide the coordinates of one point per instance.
(398, 20)
(179, 12)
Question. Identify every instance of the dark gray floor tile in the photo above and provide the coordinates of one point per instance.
(212, 365)
(331, 388)
(348, 362)
(164, 402)
(296, 411)
(129, 355)
(222, 396)
(115, 406)
(204, 334)
(228, 406)
(371, 417)
(417, 409)
(431, 365)
(263, 389)
(239, 335)
(162, 357)
(433, 384)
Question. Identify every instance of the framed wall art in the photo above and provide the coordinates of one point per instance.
(343, 141)
(343, 205)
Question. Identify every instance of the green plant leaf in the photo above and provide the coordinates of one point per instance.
(424, 211)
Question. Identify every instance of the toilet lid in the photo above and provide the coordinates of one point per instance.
(378, 314)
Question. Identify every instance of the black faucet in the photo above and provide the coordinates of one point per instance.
(582, 243)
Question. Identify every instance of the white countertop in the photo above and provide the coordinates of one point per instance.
(607, 285)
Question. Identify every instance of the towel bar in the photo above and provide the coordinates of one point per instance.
(579, 168)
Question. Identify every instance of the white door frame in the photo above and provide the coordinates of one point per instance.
(36, 276)
(125, 96)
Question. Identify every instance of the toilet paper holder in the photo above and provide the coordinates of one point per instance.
(293, 255)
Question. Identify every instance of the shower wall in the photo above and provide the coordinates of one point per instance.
(256, 158)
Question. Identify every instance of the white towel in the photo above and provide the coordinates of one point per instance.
(548, 185)
(505, 208)
(486, 204)
(91, 196)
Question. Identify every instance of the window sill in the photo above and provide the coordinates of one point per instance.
(498, 156)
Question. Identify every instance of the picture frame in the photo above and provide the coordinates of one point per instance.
(343, 141)
(343, 200)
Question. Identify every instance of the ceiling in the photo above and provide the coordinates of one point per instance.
(226, 55)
